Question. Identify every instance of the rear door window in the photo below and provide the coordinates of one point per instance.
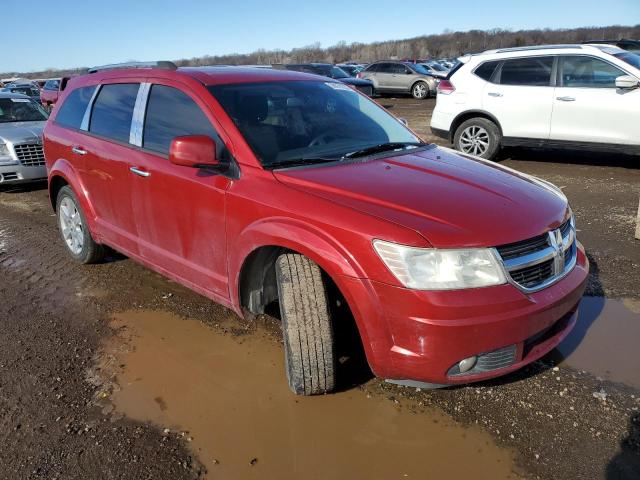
(113, 111)
(71, 112)
(588, 72)
(170, 114)
(531, 71)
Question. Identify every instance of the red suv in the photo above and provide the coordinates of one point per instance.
(259, 188)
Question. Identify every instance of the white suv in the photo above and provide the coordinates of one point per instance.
(575, 96)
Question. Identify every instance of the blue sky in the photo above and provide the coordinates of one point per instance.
(70, 33)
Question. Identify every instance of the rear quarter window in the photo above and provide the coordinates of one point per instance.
(113, 111)
(485, 71)
(71, 112)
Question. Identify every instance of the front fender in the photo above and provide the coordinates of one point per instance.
(295, 235)
(63, 169)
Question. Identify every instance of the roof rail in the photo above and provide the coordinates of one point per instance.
(536, 47)
(119, 66)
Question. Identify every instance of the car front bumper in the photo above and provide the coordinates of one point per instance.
(420, 336)
(12, 174)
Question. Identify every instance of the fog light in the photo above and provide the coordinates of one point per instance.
(467, 364)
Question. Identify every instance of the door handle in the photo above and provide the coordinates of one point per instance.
(139, 172)
(79, 150)
(566, 99)
(494, 94)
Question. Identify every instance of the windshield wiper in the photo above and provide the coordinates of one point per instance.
(382, 147)
(296, 162)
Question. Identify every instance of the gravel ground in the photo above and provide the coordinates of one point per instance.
(561, 423)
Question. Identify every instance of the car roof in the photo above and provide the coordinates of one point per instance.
(213, 75)
(13, 95)
(554, 49)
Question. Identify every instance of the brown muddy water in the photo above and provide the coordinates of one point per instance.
(605, 340)
(230, 395)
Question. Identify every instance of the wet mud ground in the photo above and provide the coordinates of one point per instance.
(111, 371)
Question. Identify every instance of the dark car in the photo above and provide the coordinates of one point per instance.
(331, 71)
(28, 89)
(625, 43)
(351, 68)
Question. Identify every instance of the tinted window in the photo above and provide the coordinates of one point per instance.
(588, 72)
(631, 58)
(374, 67)
(113, 110)
(386, 68)
(534, 71)
(170, 114)
(71, 112)
(485, 71)
(20, 110)
(420, 69)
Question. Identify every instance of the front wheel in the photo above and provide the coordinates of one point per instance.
(478, 136)
(74, 230)
(306, 325)
(420, 91)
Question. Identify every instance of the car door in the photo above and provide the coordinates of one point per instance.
(179, 211)
(587, 106)
(385, 77)
(403, 77)
(105, 172)
(520, 96)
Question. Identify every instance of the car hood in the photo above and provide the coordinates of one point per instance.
(21, 132)
(357, 82)
(451, 200)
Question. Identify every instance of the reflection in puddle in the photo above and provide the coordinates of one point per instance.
(231, 396)
(605, 340)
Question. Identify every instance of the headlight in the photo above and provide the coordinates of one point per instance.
(439, 269)
(5, 155)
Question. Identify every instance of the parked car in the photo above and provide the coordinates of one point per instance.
(632, 46)
(351, 68)
(51, 91)
(27, 89)
(390, 76)
(264, 188)
(21, 122)
(435, 69)
(570, 96)
(331, 71)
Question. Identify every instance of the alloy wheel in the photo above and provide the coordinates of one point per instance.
(474, 140)
(71, 225)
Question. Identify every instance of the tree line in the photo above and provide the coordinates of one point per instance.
(444, 45)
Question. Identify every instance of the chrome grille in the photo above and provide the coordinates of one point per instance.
(30, 155)
(538, 262)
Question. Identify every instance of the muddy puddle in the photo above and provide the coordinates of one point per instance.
(230, 395)
(605, 340)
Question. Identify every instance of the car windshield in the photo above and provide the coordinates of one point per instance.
(631, 58)
(20, 110)
(420, 69)
(334, 72)
(308, 121)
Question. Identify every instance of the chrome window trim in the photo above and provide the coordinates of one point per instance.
(84, 124)
(139, 110)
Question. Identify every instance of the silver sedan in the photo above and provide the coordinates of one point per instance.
(21, 155)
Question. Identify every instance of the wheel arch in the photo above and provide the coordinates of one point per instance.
(464, 116)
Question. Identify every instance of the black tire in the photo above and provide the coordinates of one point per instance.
(486, 131)
(420, 90)
(91, 252)
(306, 326)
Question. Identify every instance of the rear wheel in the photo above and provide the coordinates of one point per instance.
(478, 136)
(74, 230)
(420, 91)
(306, 325)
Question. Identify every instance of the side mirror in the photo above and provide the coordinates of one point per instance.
(627, 82)
(195, 151)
